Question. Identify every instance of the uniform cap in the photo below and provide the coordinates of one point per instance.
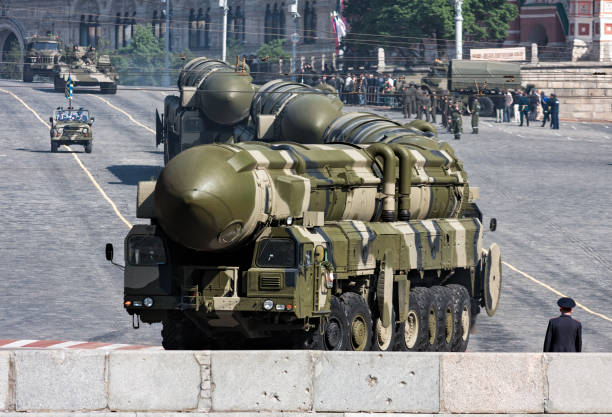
(566, 302)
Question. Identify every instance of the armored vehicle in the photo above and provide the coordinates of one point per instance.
(370, 241)
(465, 78)
(86, 68)
(71, 127)
(42, 54)
(219, 103)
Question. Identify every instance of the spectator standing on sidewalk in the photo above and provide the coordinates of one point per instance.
(507, 106)
(554, 111)
(524, 103)
(545, 108)
(498, 104)
(516, 104)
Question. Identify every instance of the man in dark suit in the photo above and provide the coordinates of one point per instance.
(564, 334)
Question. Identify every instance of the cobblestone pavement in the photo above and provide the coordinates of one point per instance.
(549, 190)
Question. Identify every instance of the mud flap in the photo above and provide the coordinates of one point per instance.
(384, 292)
(492, 279)
(159, 129)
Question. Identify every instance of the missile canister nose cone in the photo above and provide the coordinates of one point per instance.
(202, 202)
(225, 97)
(305, 119)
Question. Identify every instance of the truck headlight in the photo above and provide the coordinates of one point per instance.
(144, 250)
(85, 130)
(268, 305)
(148, 302)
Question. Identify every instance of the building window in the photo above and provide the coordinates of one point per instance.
(118, 32)
(192, 29)
(239, 24)
(281, 21)
(83, 32)
(98, 31)
(126, 30)
(91, 32)
(275, 22)
(310, 22)
(206, 29)
(267, 24)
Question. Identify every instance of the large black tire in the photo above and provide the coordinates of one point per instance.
(412, 334)
(180, 333)
(359, 321)
(435, 320)
(54, 146)
(108, 88)
(59, 84)
(446, 334)
(28, 75)
(331, 333)
(89, 147)
(486, 107)
(383, 338)
(462, 317)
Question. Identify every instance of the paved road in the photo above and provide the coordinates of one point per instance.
(549, 190)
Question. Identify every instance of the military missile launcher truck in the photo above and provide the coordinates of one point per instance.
(42, 54)
(369, 241)
(87, 68)
(465, 78)
(218, 103)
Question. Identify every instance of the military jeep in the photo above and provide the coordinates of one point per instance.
(71, 126)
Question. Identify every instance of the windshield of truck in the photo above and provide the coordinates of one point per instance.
(44, 46)
(276, 253)
(72, 115)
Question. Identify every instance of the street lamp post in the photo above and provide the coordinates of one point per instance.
(295, 37)
(458, 29)
(223, 4)
(166, 81)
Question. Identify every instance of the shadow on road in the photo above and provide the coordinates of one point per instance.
(46, 151)
(132, 174)
(77, 90)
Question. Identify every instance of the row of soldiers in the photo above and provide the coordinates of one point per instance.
(418, 101)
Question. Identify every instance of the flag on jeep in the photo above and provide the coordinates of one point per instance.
(69, 88)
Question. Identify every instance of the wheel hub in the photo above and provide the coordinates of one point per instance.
(359, 333)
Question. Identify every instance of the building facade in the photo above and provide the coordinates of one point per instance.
(194, 24)
(581, 28)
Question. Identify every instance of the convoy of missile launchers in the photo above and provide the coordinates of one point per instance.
(280, 219)
(47, 57)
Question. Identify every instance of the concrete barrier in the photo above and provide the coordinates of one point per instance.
(300, 383)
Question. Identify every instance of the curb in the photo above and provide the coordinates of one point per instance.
(60, 344)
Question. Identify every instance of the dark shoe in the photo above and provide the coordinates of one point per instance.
(521, 124)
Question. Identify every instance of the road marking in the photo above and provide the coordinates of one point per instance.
(573, 127)
(78, 160)
(136, 122)
(58, 344)
(559, 293)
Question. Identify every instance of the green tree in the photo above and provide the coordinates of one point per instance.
(142, 61)
(274, 50)
(235, 48)
(402, 24)
(12, 61)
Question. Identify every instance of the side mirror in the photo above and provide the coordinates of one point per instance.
(493, 224)
(91, 121)
(109, 252)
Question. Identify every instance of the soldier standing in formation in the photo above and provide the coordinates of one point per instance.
(564, 334)
(426, 103)
(419, 103)
(456, 125)
(412, 96)
(475, 115)
(405, 101)
(434, 106)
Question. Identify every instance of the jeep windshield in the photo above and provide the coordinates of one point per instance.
(44, 46)
(72, 115)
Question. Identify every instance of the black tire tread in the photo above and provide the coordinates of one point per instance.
(354, 303)
(461, 296)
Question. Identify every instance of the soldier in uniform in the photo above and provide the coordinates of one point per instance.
(564, 334)
(456, 124)
(419, 103)
(426, 105)
(405, 101)
(445, 110)
(475, 115)
(412, 99)
(434, 106)
(554, 111)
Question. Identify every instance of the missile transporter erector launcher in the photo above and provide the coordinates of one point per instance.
(218, 103)
(336, 246)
